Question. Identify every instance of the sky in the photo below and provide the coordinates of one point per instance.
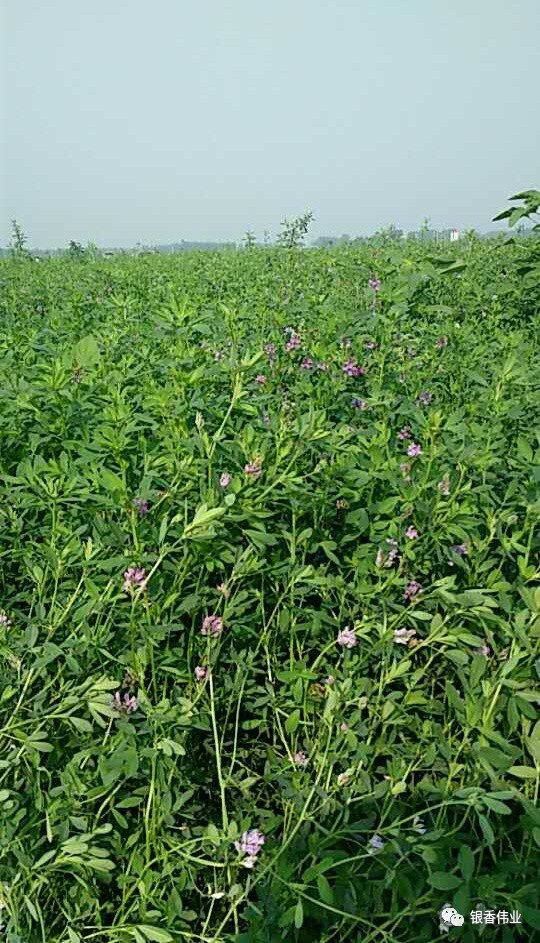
(152, 121)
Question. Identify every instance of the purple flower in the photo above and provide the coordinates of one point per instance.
(307, 364)
(4, 621)
(225, 479)
(213, 626)
(250, 843)
(403, 636)
(260, 379)
(294, 341)
(412, 589)
(404, 433)
(359, 403)
(322, 366)
(411, 533)
(374, 283)
(76, 376)
(200, 673)
(460, 549)
(253, 469)
(441, 342)
(484, 650)
(142, 506)
(371, 345)
(347, 638)
(300, 758)
(351, 369)
(125, 704)
(376, 842)
(270, 351)
(414, 450)
(134, 576)
(425, 398)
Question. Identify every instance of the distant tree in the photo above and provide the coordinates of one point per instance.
(76, 250)
(249, 239)
(18, 241)
(293, 231)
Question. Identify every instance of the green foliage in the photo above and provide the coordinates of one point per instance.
(388, 778)
(293, 231)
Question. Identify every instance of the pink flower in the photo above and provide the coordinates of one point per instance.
(224, 479)
(260, 379)
(125, 704)
(307, 364)
(374, 283)
(212, 625)
(403, 636)
(294, 341)
(250, 843)
(300, 758)
(412, 589)
(201, 673)
(444, 486)
(441, 342)
(351, 369)
(411, 533)
(249, 862)
(404, 433)
(371, 345)
(134, 576)
(322, 366)
(484, 650)
(347, 638)
(414, 449)
(270, 351)
(253, 469)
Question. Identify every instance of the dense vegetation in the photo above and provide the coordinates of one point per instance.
(269, 595)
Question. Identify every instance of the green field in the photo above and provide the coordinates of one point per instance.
(270, 571)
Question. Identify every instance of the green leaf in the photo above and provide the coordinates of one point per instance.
(442, 881)
(486, 829)
(292, 721)
(111, 481)
(154, 934)
(466, 862)
(298, 915)
(86, 352)
(325, 891)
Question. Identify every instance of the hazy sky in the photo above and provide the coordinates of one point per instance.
(157, 120)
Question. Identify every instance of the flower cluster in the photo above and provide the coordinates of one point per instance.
(270, 351)
(294, 341)
(225, 479)
(347, 638)
(352, 369)
(414, 450)
(253, 469)
(124, 704)
(134, 576)
(142, 506)
(212, 625)
(4, 621)
(250, 845)
(374, 283)
(388, 559)
(411, 590)
(403, 636)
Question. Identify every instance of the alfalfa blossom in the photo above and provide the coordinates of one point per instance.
(441, 342)
(323, 366)
(294, 341)
(142, 506)
(225, 479)
(376, 843)
(483, 650)
(201, 673)
(425, 398)
(300, 758)
(404, 433)
(403, 636)
(4, 621)
(124, 704)
(460, 549)
(250, 845)
(224, 590)
(347, 638)
(253, 469)
(418, 825)
(307, 363)
(212, 626)
(405, 469)
(352, 369)
(414, 450)
(444, 486)
(270, 351)
(260, 379)
(371, 345)
(390, 558)
(411, 590)
(411, 533)
(374, 283)
(345, 343)
(359, 403)
(134, 576)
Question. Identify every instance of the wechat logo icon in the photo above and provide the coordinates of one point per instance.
(449, 918)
